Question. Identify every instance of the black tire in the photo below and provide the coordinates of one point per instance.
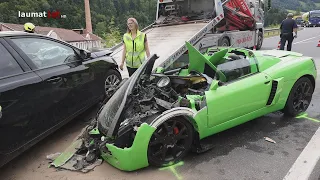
(260, 40)
(175, 134)
(114, 78)
(224, 42)
(299, 98)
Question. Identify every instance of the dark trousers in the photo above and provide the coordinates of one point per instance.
(131, 70)
(284, 39)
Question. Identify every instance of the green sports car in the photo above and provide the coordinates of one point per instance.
(157, 117)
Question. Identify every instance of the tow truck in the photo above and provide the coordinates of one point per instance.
(203, 24)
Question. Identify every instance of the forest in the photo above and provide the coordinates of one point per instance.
(109, 16)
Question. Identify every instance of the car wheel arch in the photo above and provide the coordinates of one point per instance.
(186, 113)
(311, 78)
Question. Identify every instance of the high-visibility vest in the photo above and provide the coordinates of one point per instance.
(135, 50)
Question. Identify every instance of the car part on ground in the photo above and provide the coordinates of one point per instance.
(156, 118)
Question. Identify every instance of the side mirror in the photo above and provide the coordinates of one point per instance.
(0, 112)
(84, 55)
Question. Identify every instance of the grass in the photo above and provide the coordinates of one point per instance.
(291, 11)
(273, 26)
(318, 5)
(271, 34)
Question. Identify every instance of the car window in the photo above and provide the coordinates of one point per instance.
(237, 67)
(8, 65)
(45, 53)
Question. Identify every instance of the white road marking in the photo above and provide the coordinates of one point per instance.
(306, 162)
(306, 40)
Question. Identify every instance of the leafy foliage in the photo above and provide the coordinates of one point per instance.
(301, 5)
(280, 8)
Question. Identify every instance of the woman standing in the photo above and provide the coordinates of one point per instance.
(135, 46)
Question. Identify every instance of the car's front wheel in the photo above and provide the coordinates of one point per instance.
(299, 98)
(113, 79)
(170, 142)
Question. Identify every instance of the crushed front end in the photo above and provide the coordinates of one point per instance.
(123, 127)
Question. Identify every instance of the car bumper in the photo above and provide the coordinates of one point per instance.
(134, 157)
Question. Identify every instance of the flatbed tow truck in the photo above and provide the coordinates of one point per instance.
(204, 24)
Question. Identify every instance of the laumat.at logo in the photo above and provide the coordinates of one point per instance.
(44, 14)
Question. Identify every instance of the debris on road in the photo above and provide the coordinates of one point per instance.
(269, 139)
(77, 163)
(69, 160)
(53, 156)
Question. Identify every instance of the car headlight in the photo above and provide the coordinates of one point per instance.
(163, 82)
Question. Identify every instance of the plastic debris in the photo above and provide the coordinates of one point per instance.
(269, 139)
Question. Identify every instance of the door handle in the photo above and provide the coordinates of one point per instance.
(0, 112)
(267, 82)
(57, 79)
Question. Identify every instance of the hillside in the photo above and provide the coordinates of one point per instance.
(296, 5)
(108, 16)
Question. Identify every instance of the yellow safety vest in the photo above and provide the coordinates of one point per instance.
(135, 50)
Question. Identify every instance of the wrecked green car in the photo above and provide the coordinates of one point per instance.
(156, 118)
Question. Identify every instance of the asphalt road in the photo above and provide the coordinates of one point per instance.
(239, 153)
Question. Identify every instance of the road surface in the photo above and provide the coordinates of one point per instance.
(239, 153)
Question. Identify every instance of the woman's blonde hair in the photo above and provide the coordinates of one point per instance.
(135, 23)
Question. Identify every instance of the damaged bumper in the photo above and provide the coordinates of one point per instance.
(133, 158)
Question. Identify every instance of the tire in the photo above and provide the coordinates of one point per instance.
(299, 98)
(175, 134)
(260, 40)
(112, 80)
(224, 42)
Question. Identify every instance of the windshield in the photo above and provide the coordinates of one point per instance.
(315, 14)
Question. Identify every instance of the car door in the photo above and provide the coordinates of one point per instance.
(67, 82)
(23, 107)
(245, 91)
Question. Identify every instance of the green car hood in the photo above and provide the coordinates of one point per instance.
(197, 60)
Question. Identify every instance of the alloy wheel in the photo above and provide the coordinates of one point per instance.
(112, 81)
(302, 97)
(170, 142)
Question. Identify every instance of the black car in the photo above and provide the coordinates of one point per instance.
(44, 83)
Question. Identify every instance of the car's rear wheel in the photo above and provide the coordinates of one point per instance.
(170, 142)
(299, 98)
(113, 79)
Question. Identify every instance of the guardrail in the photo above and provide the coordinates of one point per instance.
(271, 32)
(275, 31)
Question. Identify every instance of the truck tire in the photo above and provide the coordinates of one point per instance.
(224, 42)
(260, 40)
